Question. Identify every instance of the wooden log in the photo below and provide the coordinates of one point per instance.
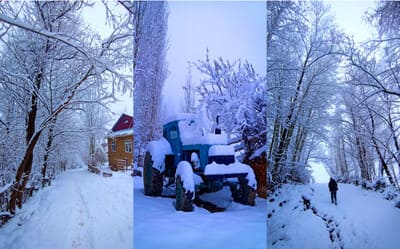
(259, 166)
(107, 174)
(93, 169)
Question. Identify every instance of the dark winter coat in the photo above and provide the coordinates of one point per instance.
(333, 185)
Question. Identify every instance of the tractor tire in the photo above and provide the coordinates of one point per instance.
(244, 194)
(184, 199)
(152, 178)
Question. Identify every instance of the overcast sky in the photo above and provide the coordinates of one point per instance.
(230, 30)
(350, 15)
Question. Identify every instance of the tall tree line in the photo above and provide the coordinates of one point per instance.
(328, 94)
(304, 48)
(369, 113)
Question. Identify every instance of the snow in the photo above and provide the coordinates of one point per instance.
(197, 179)
(191, 133)
(159, 225)
(179, 116)
(184, 170)
(57, 36)
(5, 187)
(236, 167)
(194, 157)
(221, 150)
(259, 152)
(79, 210)
(158, 149)
(363, 219)
(120, 133)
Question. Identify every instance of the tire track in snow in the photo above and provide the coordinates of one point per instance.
(85, 236)
(331, 225)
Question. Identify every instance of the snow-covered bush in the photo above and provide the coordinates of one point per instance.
(379, 183)
(234, 96)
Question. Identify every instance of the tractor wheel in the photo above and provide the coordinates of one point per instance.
(152, 178)
(243, 193)
(184, 187)
(184, 199)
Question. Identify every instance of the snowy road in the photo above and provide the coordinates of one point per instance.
(362, 219)
(80, 210)
(158, 225)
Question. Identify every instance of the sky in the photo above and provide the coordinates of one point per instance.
(230, 30)
(350, 17)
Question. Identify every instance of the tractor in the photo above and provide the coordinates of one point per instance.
(192, 162)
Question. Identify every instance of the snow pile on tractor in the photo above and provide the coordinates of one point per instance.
(192, 133)
(195, 162)
(158, 149)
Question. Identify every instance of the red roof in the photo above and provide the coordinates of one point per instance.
(124, 122)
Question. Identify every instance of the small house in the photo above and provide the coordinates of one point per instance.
(120, 143)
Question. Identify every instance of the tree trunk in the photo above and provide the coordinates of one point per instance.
(23, 173)
(50, 138)
(25, 167)
(381, 158)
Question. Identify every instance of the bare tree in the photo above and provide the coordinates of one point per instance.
(189, 93)
(38, 80)
(234, 96)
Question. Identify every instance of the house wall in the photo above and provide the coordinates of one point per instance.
(120, 153)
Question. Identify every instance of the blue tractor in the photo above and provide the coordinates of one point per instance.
(192, 162)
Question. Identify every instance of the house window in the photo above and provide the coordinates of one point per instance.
(113, 146)
(128, 146)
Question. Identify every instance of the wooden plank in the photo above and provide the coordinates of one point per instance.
(93, 169)
(107, 174)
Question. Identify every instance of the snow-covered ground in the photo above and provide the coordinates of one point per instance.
(79, 210)
(362, 219)
(158, 225)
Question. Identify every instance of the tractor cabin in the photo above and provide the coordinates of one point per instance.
(120, 144)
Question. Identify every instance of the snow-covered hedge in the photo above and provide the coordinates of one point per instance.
(221, 150)
(380, 184)
(236, 167)
(184, 170)
(158, 149)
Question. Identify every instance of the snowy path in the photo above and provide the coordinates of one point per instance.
(80, 210)
(158, 225)
(362, 219)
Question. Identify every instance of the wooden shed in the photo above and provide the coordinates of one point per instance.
(120, 144)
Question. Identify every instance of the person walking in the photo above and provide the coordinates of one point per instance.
(333, 188)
